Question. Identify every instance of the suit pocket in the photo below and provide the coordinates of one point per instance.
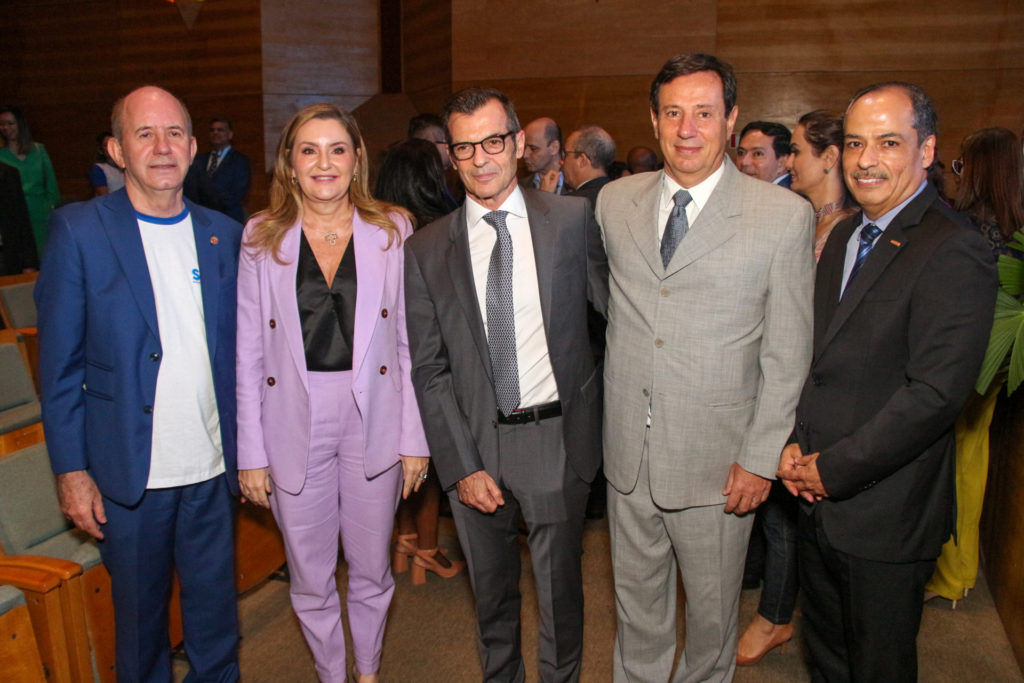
(99, 380)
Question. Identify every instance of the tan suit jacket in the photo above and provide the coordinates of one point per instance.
(717, 344)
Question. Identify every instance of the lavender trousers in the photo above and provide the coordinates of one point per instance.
(338, 499)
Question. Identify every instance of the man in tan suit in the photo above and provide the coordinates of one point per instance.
(709, 339)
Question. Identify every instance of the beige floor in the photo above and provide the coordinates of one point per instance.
(430, 635)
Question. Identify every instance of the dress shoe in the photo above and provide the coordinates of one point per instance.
(780, 635)
(425, 560)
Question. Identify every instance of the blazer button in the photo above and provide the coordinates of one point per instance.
(383, 369)
(384, 313)
(665, 291)
(273, 323)
(148, 410)
(494, 423)
(271, 381)
(816, 379)
(154, 357)
(659, 343)
(646, 392)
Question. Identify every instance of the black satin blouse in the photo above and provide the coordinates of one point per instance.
(328, 315)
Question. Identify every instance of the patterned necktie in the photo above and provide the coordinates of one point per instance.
(868, 235)
(675, 227)
(214, 162)
(501, 322)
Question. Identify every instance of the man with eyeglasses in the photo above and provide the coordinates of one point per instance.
(496, 307)
(589, 153)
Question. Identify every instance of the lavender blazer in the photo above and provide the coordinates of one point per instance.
(272, 384)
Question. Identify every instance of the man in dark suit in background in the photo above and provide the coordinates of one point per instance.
(17, 246)
(542, 156)
(496, 296)
(763, 152)
(219, 180)
(903, 306)
(589, 153)
(136, 304)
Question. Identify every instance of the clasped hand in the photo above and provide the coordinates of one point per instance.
(799, 474)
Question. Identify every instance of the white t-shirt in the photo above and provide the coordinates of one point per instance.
(186, 447)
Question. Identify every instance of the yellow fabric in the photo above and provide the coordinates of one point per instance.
(957, 566)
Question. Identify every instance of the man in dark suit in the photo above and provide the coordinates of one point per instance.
(589, 153)
(496, 296)
(903, 306)
(542, 156)
(763, 152)
(136, 304)
(220, 179)
(17, 247)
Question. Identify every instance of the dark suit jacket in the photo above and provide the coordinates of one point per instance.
(99, 346)
(451, 367)
(591, 188)
(893, 363)
(19, 246)
(223, 191)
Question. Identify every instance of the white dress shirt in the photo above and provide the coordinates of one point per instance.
(699, 194)
(536, 376)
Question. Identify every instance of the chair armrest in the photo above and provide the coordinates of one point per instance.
(31, 579)
(64, 569)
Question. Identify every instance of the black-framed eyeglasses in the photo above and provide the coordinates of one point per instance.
(957, 165)
(494, 144)
(573, 151)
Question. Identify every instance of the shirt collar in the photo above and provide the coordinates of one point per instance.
(886, 218)
(515, 204)
(699, 193)
(222, 153)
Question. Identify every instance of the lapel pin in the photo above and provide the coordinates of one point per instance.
(894, 243)
(214, 240)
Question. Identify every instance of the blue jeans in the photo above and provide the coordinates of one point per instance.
(778, 517)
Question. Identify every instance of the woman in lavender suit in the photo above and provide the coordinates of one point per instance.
(329, 433)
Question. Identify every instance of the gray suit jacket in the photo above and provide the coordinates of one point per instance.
(717, 344)
(451, 368)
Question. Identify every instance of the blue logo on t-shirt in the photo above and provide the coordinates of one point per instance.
(195, 275)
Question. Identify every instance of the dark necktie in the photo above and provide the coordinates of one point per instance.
(675, 227)
(501, 322)
(214, 162)
(868, 235)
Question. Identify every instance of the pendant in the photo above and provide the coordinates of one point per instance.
(331, 238)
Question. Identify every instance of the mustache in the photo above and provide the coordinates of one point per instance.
(858, 175)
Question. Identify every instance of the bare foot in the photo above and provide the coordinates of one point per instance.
(760, 637)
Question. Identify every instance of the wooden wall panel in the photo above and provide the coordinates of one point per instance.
(314, 51)
(1002, 523)
(427, 50)
(70, 59)
(865, 35)
(496, 40)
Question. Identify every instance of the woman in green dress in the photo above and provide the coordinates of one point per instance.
(38, 180)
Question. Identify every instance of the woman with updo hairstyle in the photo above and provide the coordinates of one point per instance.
(329, 432)
(815, 166)
(817, 172)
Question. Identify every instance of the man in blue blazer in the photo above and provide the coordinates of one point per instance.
(220, 179)
(137, 368)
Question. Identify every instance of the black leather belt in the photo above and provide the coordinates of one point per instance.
(522, 416)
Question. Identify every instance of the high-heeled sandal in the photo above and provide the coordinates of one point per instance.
(426, 559)
(405, 547)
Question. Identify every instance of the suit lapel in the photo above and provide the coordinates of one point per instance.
(460, 270)
(122, 228)
(282, 287)
(713, 225)
(372, 269)
(207, 253)
(886, 248)
(544, 237)
(645, 212)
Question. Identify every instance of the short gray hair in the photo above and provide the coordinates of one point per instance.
(598, 145)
